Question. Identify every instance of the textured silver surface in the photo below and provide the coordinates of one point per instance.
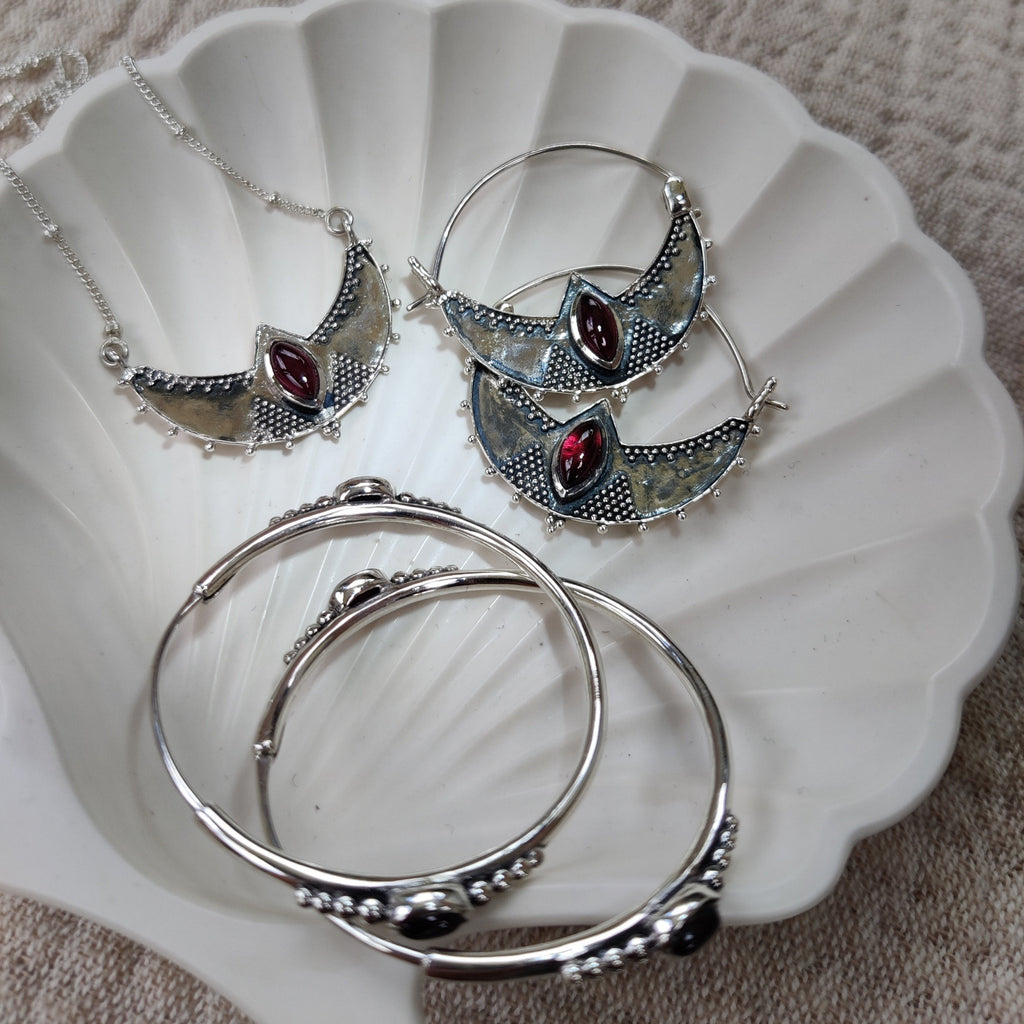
(250, 408)
(656, 312)
(635, 482)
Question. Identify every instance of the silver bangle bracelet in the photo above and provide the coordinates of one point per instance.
(679, 916)
(407, 902)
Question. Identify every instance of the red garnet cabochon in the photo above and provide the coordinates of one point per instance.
(580, 456)
(295, 370)
(597, 328)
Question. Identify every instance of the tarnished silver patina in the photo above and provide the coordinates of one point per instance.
(263, 404)
(629, 485)
(653, 314)
(251, 408)
(578, 469)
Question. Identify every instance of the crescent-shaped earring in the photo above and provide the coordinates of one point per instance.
(297, 384)
(578, 469)
(597, 340)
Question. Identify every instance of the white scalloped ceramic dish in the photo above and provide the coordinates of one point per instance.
(841, 598)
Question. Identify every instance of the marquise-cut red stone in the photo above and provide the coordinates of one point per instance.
(580, 457)
(295, 370)
(597, 328)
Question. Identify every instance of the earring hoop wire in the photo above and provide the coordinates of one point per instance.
(435, 268)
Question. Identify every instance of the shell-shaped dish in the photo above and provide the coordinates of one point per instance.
(840, 598)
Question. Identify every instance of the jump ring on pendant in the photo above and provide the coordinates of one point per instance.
(113, 351)
(338, 221)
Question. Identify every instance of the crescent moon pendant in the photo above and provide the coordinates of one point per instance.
(578, 469)
(597, 340)
(297, 384)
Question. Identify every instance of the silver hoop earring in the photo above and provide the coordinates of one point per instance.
(597, 340)
(578, 469)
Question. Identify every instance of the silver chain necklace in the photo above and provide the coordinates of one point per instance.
(297, 384)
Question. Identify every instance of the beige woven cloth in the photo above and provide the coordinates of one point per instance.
(926, 923)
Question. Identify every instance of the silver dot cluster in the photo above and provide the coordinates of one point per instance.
(640, 945)
(409, 499)
(645, 286)
(733, 430)
(272, 421)
(311, 631)
(528, 473)
(612, 504)
(370, 909)
(349, 377)
(611, 960)
(648, 344)
(480, 890)
(355, 260)
(327, 501)
(398, 578)
(330, 614)
(174, 381)
(373, 910)
(718, 858)
(567, 372)
(516, 396)
(458, 305)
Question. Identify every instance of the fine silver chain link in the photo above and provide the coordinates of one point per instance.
(182, 132)
(113, 351)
